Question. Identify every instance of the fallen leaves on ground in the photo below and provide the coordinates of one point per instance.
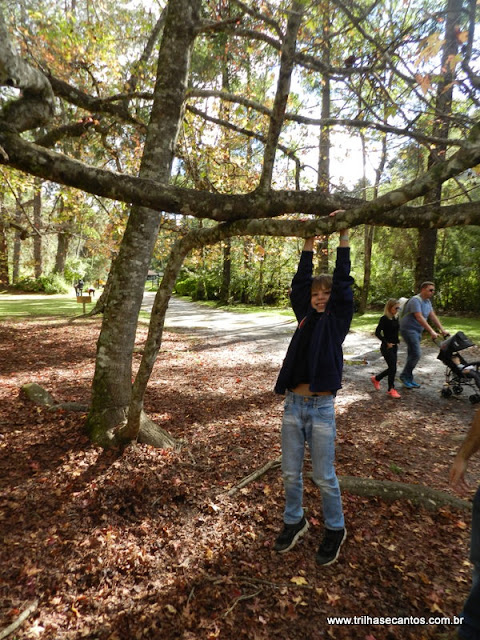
(146, 543)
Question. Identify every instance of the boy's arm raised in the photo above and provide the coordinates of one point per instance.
(344, 238)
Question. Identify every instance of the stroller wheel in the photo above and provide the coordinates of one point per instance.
(446, 392)
(474, 398)
(457, 389)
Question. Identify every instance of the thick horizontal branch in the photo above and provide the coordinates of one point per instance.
(61, 169)
(455, 215)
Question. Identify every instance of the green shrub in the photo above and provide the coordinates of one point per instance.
(51, 284)
(199, 286)
(187, 286)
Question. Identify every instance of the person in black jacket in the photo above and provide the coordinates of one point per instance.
(310, 376)
(387, 332)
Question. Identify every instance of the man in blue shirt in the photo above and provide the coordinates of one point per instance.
(310, 376)
(415, 318)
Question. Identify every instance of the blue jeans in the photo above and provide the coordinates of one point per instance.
(470, 629)
(310, 420)
(412, 340)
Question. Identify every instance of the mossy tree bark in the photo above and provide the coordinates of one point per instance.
(112, 384)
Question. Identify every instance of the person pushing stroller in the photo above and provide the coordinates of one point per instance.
(415, 318)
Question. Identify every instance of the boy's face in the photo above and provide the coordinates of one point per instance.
(319, 299)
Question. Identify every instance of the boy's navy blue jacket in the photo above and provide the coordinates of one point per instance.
(330, 331)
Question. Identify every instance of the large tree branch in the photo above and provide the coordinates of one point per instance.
(36, 105)
(93, 105)
(56, 167)
(468, 214)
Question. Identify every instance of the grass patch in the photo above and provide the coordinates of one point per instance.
(470, 326)
(366, 322)
(37, 305)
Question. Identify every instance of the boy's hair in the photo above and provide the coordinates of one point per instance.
(323, 281)
(391, 302)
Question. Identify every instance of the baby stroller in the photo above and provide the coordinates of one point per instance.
(459, 373)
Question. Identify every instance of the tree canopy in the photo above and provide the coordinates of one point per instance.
(87, 74)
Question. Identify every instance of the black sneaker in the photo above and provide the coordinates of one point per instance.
(289, 536)
(330, 548)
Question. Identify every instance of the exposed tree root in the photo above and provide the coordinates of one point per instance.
(20, 620)
(385, 489)
(150, 433)
(388, 490)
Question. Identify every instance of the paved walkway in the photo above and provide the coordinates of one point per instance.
(268, 335)
(271, 332)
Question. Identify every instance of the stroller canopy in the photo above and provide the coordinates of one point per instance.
(454, 343)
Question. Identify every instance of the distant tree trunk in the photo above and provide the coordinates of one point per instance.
(4, 281)
(427, 238)
(226, 271)
(261, 281)
(367, 235)
(37, 223)
(369, 231)
(247, 263)
(17, 245)
(3, 255)
(425, 262)
(63, 243)
(227, 245)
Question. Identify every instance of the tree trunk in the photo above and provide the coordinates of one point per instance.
(260, 284)
(136, 418)
(226, 271)
(427, 239)
(227, 245)
(112, 383)
(323, 178)
(62, 251)
(247, 262)
(369, 232)
(37, 223)
(425, 262)
(3, 255)
(4, 281)
(17, 245)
